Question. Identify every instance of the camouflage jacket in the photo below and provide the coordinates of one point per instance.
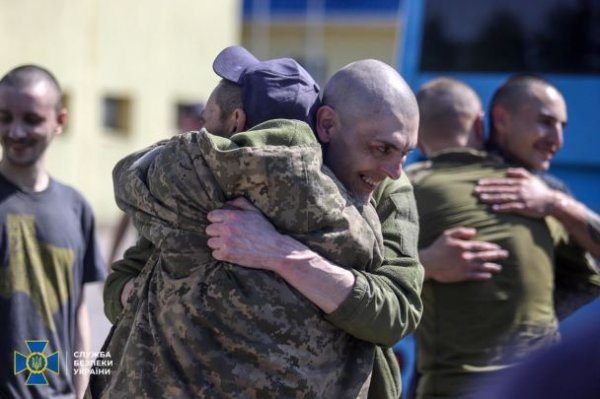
(197, 327)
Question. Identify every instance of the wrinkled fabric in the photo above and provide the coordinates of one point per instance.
(472, 329)
(197, 327)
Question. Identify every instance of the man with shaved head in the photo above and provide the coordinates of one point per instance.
(472, 329)
(47, 246)
(452, 117)
(367, 125)
(528, 116)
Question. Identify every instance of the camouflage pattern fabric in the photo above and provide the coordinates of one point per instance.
(197, 327)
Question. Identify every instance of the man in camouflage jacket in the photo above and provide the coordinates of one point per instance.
(198, 327)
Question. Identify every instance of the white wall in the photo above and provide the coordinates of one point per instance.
(156, 52)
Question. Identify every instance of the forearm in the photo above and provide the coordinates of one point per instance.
(376, 307)
(124, 271)
(82, 345)
(384, 304)
(379, 305)
(324, 284)
(382, 307)
(582, 223)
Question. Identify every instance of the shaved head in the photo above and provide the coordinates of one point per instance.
(527, 118)
(26, 76)
(449, 110)
(369, 88)
(368, 123)
(516, 92)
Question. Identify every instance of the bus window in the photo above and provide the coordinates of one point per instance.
(545, 36)
(483, 42)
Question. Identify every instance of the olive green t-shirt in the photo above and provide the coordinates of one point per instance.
(476, 327)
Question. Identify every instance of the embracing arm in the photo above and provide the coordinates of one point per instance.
(521, 192)
(82, 343)
(378, 306)
(385, 304)
(455, 257)
(245, 237)
(120, 281)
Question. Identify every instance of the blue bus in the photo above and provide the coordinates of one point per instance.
(482, 42)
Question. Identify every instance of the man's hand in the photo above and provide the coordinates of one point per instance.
(245, 237)
(126, 291)
(520, 192)
(241, 234)
(453, 257)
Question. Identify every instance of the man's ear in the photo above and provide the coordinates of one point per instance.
(61, 120)
(239, 121)
(499, 119)
(326, 118)
(479, 129)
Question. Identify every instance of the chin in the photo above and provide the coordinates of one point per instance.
(540, 166)
(363, 199)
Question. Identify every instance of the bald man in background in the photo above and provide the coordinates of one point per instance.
(472, 329)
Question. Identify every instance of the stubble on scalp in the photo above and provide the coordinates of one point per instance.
(369, 89)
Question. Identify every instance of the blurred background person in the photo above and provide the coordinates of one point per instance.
(48, 246)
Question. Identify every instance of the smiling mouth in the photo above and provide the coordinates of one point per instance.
(19, 147)
(547, 153)
(370, 182)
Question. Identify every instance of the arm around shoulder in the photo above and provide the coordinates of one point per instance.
(384, 304)
(124, 271)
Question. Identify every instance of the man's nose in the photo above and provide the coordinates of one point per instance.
(555, 135)
(17, 131)
(393, 169)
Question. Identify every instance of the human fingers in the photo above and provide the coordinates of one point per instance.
(215, 242)
(464, 233)
(221, 215)
(498, 181)
(498, 198)
(492, 255)
(509, 207)
(483, 271)
(490, 267)
(496, 189)
(481, 246)
(242, 203)
(216, 230)
(517, 173)
(478, 276)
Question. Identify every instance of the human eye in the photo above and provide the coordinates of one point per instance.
(5, 118)
(382, 149)
(33, 119)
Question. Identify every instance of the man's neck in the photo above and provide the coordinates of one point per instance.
(32, 178)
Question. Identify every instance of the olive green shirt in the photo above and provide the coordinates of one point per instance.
(474, 328)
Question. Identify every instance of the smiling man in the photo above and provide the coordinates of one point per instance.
(47, 246)
(367, 124)
(528, 118)
(472, 329)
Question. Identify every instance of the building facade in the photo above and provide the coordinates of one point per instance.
(128, 68)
